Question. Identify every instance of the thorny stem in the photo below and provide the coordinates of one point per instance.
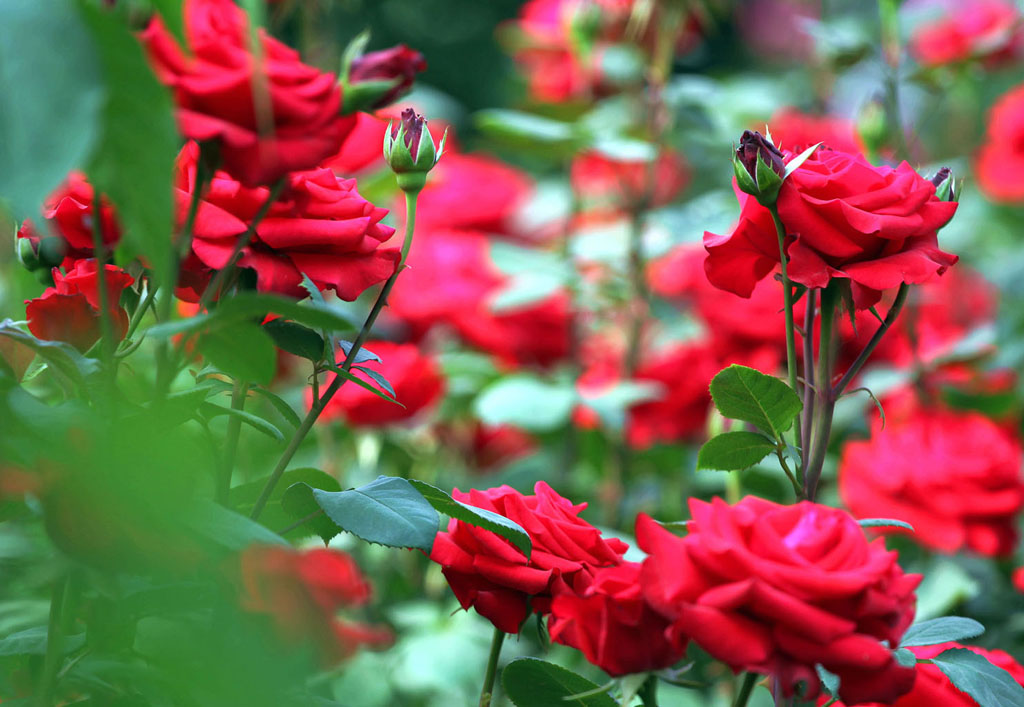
(807, 413)
(320, 403)
(787, 292)
(890, 317)
(825, 402)
(487, 691)
(746, 688)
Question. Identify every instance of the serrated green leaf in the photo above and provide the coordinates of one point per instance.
(531, 682)
(347, 375)
(734, 451)
(388, 511)
(884, 523)
(941, 630)
(279, 404)
(211, 410)
(285, 507)
(363, 356)
(905, 657)
(296, 339)
(378, 379)
(242, 350)
(989, 685)
(744, 393)
(480, 517)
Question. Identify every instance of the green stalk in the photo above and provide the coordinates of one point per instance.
(487, 691)
(320, 403)
(746, 688)
(106, 325)
(649, 692)
(223, 489)
(862, 357)
(54, 645)
(807, 414)
(787, 292)
(825, 401)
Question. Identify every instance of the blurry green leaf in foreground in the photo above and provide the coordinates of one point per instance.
(526, 402)
(530, 682)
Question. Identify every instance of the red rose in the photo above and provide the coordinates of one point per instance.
(319, 226)
(362, 149)
(876, 226)
(70, 310)
(399, 64)
(796, 131)
(293, 125)
(604, 182)
(302, 592)
(604, 615)
(1000, 165)
(777, 589)
(488, 573)
(954, 476)
(933, 689)
(1018, 579)
(415, 377)
(69, 211)
(968, 29)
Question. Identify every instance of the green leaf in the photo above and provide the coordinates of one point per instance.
(743, 393)
(363, 384)
(905, 657)
(132, 164)
(60, 356)
(285, 506)
(364, 355)
(378, 379)
(32, 641)
(795, 163)
(989, 685)
(480, 517)
(525, 128)
(531, 682)
(829, 680)
(171, 13)
(211, 410)
(526, 402)
(296, 339)
(884, 523)
(388, 511)
(242, 350)
(51, 99)
(227, 529)
(941, 630)
(734, 451)
(279, 404)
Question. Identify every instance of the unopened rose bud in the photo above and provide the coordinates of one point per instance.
(378, 79)
(944, 186)
(759, 166)
(410, 152)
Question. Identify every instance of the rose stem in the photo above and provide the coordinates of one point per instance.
(890, 317)
(746, 688)
(492, 668)
(787, 293)
(238, 394)
(54, 644)
(807, 413)
(825, 403)
(320, 403)
(106, 325)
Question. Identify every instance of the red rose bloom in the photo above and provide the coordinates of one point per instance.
(796, 131)
(69, 211)
(1000, 164)
(70, 310)
(293, 125)
(954, 476)
(361, 150)
(399, 64)
(488, 573)
(876, 226)
(968, 29)
(320, 226)
(933, 689)
(777, 589)
(604, 615)
(1018, 579)
(302, 592)
(414, 376)
(604, 182)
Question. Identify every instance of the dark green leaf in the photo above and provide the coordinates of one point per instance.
(242, 350)
(531, 682)
(51, 99)
(388, 511)
(364, 354)
(946, 628)
(884, 523)
(378, 379)
(279, 404)
(210, 410)
(285, 506)
(743, 393)
(830, 681)
(488, 520)
(989, 685)
(63, 357)
(363, 384)
(32, 641)
(171, 14)
(226, 528)
(296, 339)
(733, 451)
(905, 657)
(132, 163)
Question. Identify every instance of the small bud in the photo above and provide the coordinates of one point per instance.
(872, 125)
(378, 79)
(944, 186)
(760, 167)
(409, 150)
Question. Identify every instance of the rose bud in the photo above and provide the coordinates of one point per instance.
(378, 79)
(945, 189)
(409, 150)
(759, 166)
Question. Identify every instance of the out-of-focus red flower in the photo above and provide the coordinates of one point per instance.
(488, 573)
(270, 117)
(605, 183)
(876, 226)
(933, 688)
(69, 211)
(954, 476)
(302, 592)
(795, 131)
(399, 64)
(778, 589)
(1018, 579)
(605, 616)
(319, 226)
(362, 148)
(451, 281)
(969, 29)
(70, 311)
(415, 377)
(776, 29)
(1000, 163)
(494, 446)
